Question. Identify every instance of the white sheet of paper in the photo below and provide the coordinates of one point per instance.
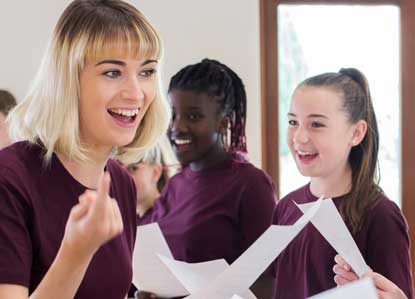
(359, 289)
(197, 275)
(149, 273)
(237, 297)
(194, 276)
(330, 224)
(237, 278)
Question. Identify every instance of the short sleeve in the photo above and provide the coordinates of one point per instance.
(257, 207)
(388, 245)
(15, 241)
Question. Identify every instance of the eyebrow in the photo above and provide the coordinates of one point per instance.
(193, 108)
(310, 115)
(122, 63)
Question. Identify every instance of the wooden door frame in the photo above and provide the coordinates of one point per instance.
(269, 95)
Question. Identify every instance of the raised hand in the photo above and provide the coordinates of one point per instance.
(95, 220)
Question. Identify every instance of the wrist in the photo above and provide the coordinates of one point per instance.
(75, 254)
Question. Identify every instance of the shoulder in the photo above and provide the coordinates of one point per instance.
(19, 162)
(287, 203)
(249, 173)
(20, 153)
(116, 170)
(19, 167)
(118, 174)
(385, 211)
(120, 178)
(178, 179)
(300, 195)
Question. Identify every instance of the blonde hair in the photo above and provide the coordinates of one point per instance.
(88, 30)
(159, 154)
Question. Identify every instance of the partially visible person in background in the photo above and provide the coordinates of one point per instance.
(151, 173)
(7, 102)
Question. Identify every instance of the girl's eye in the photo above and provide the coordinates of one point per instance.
(132, 168)
(292, 122)
(316, 125)
(148, 73)
(194, 116)
(112, 74)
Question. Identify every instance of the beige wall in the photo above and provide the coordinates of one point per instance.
(191, 29)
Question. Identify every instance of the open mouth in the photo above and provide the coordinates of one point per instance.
(181, 144)
(306, 156)
(124, 116)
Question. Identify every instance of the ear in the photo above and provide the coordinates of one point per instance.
(157, 171)
(223, 124)
(359, 132)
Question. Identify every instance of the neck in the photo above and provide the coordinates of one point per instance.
(87, 173)
(215, 156)
(334, 185)
(145, 203)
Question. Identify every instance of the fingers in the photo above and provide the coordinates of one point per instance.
(382, 282)
(342, 263)
(79, 210)
(339, 280)
(347, 275)
(343, 271)
(117, 222)
(144, 295)
(103, 217)
(103, 190)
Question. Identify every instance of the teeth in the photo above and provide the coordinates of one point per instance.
(125, 112)
(306, 153)
(182, 141)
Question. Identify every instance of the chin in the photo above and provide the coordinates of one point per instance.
(183, 160)
(124, 140)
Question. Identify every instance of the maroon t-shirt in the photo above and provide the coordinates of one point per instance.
(214, 213)
(305, 267)
(35, 201)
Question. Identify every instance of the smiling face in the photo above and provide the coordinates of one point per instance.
(320, 136)
(195, 127)
(115, 94)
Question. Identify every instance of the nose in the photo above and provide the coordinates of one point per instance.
(300, 135)
(178, 125)
(132, 89)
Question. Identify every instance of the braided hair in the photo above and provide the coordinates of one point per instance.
(217, 80)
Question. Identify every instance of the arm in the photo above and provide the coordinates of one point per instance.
(91, 223)
(387, 226)
(388, 251)
(257, 209)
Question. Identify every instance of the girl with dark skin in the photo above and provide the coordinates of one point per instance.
(220, 203)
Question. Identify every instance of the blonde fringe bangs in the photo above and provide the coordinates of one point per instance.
(49, 114)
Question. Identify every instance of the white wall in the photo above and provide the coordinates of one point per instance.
(191, 30)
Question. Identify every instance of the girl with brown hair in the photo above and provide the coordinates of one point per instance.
(334, 139)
